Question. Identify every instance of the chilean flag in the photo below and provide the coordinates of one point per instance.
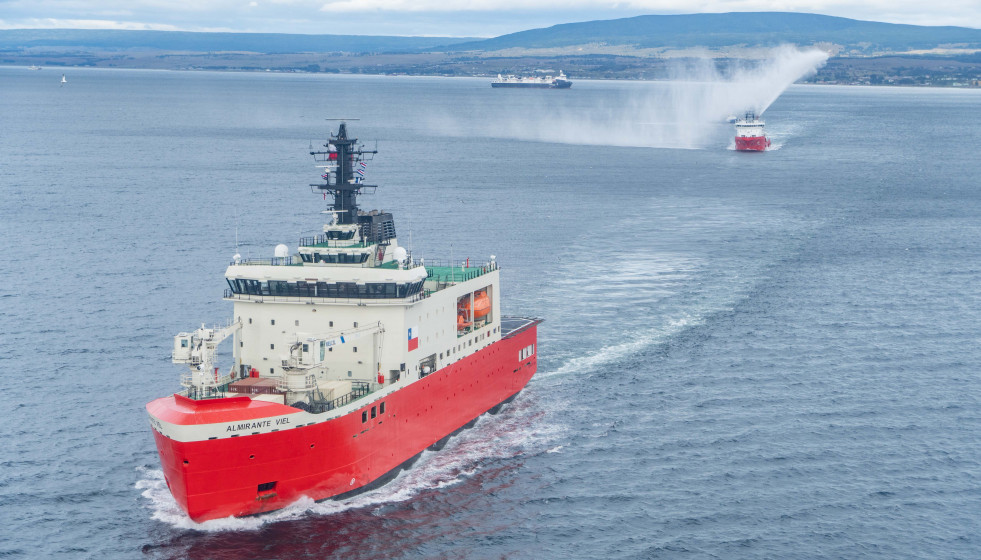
(413, 338)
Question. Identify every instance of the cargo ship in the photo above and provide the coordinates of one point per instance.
(350, 358)
(546, 82)
(750, 136)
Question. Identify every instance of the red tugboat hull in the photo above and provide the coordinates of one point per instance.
(241, 473)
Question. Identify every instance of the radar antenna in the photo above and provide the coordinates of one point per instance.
(344, 162)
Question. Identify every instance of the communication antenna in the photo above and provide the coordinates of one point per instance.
(409, 222)
(341, 160)
(238, 256)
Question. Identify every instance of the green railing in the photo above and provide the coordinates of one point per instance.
(359, 389)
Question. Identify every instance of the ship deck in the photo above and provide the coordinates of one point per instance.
(511, 326)
(454, 274)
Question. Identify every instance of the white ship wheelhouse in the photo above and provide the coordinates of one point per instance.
(349, 313)
(750, 126)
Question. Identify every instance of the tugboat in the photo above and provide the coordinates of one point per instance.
(350, 358)
(544, 82)
(750, 136)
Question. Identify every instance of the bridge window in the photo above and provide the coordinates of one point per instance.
(373, 290)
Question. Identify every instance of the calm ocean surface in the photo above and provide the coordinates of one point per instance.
(744, 355)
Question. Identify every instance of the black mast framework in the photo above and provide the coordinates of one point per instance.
(344, 155)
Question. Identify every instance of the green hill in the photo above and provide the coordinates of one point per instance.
(738, 28)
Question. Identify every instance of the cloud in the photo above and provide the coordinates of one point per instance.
(456, 6)
(54, 23)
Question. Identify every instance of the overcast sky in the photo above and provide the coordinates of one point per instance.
(457, 18)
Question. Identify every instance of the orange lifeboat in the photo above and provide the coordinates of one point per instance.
(481, 305)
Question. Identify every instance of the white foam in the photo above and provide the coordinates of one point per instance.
(615, 352)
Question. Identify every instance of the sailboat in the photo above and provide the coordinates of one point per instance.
(63, 80)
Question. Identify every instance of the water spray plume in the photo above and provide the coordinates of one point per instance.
(683, 112)
(756, 87)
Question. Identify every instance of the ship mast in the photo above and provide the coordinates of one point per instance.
(343, 158)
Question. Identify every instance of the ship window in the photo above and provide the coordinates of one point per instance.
(373, 412)
(331, 323)
(427, 365)
(240, 344)
(440, 355)
(355, 324)
(364, 416)
(306, 347)
(297, 322)
(267, 486)
(271, 370)
(250, 320)
(184, 343)
(272, 321)
(381, 408)
(272, 346)
(355, 348)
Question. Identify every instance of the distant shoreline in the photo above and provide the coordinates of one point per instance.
(893, 70)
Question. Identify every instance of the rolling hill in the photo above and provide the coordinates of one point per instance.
(733, 29)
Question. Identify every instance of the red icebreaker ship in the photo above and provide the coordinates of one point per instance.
(350, 359)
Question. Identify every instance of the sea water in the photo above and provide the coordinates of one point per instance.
(768, 355)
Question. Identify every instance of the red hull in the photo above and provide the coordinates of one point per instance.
(230, 476)
(752, 143)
